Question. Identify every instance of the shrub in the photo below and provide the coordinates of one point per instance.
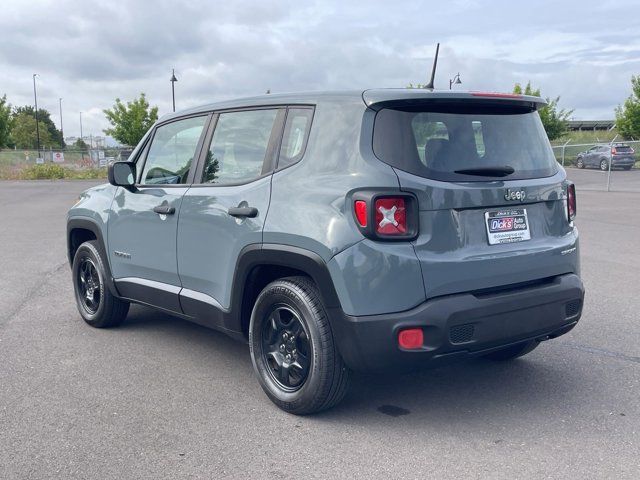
(47, 171)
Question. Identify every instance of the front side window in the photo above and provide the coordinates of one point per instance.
(239, 146)
(296, 131)
(172, 151)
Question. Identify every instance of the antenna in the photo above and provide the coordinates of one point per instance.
(433, 71)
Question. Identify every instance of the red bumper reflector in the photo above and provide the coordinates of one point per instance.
(411, 338)
(360, 207)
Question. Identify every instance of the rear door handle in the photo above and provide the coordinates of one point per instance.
(249, 212)
(164, 210)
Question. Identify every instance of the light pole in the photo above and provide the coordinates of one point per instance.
(35, 99)
(455, 80)
(81, 126)
(173, 80)
(61, 129)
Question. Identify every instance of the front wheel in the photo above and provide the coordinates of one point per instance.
(604, 165)
(292, 348)
(96, 304)
(580, 163)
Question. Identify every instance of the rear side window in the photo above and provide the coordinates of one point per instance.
(296, 132)
(171, 152)
(446, 142)
(239, 146)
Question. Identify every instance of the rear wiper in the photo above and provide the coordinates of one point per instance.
(497, 171)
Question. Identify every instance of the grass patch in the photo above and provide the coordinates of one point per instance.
(52, 171)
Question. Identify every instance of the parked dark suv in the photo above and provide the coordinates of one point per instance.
(340, 231)
(620, 155)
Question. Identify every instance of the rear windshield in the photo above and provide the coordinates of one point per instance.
(438, 141)
(623, 148)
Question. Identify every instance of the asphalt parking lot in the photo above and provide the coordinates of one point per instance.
(162, 398)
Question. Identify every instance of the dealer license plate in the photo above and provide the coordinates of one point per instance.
(507, 226)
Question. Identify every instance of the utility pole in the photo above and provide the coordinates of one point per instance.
(173, 80)
(35, 98)
(81, 137)
(61, 129)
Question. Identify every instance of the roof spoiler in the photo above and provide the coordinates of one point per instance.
(377, 99)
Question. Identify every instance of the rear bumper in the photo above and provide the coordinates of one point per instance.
(619, 162)
(462, 325)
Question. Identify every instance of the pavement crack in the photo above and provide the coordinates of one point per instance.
(32, 293)
(600, 351)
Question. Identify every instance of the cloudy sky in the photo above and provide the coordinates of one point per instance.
(90, 52)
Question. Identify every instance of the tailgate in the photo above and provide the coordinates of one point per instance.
(453, 245)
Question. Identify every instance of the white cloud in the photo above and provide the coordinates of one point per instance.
(89, 53)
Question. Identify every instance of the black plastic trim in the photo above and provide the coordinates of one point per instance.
(85, 223)
(284, 256)
(535, 313)
(160, 295)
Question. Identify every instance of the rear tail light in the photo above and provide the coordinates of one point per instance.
(391, 216)
(614, 151)
(386, 216)
(571, 202)
(411, 338)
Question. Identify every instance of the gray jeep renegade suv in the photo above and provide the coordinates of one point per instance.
(340, 231)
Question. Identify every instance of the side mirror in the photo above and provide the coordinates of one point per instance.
(122, 174)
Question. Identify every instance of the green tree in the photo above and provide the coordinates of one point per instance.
(131, 121)
(44, 117)
(628, 115)
(5, 122)
(554, 119)
(80, 144)
(23, 132)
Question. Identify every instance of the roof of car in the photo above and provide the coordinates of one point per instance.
(371, 97)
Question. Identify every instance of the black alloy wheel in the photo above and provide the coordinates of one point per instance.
(88, 284)
(286, 348)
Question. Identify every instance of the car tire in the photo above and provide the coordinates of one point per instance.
(96, 304)
(512, 352)
(293, 350)
(628, 168)
(604, 164)
(580, 163)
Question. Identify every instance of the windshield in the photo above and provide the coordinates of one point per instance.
(456, 143)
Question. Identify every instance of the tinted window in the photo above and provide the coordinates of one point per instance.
(238, 147)
(296, 132)
(171, 152)
(436, 144)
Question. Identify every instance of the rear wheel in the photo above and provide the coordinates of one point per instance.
(604, 164)
(512, 352)
(292, 348)
(628, 167)
(96, 304)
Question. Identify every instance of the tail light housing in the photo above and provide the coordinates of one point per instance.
(572, 206)
(386, 215)
(614, 151)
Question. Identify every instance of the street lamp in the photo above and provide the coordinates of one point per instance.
(80, 125)
(173, 80)
(61, 129)
(35, 99)
(455, 80)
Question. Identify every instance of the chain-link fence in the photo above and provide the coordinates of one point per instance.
(608, 166)
(60, 163)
